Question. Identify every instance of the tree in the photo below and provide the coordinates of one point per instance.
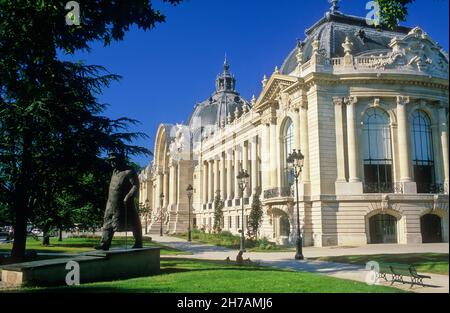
(218, 212)
(255, 218)
(393, 11)
(51, 131)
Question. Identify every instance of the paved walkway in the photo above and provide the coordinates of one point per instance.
(437, 283)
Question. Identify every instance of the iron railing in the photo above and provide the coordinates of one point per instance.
(278, 192)
(382, 187)
(287, 192)
(271, 193)
(436, 188)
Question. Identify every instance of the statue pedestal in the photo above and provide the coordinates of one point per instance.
(93, 266)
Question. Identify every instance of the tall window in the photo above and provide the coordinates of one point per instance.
(288, 145)
(377, 152)
(422, 154)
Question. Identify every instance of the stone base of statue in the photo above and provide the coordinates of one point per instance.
(94, 266)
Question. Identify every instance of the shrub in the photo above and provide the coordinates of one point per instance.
(226, 233)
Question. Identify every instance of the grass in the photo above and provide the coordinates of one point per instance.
(424, 262)
(84, 244)
(227, 240)
(201, 276)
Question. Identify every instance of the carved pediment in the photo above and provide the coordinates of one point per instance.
(274, 86)
(418, 52)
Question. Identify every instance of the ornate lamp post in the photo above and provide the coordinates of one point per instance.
(189, 192)
(161, 199)
(147, 208)
(295, 159)
(242, 183)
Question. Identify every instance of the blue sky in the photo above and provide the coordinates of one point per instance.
(167, 70)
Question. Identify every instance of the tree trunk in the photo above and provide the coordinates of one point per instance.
(60, 234)
(20, 231)
(45, 236)
(19, 199)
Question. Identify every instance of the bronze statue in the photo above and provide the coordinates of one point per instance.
(121, 213)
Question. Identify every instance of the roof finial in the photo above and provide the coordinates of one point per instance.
(334, 5)
(226, 66)
(264, 81)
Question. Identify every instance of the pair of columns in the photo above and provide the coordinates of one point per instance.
(270, 150)
(269, 155)
(162, 187)
(352, 151)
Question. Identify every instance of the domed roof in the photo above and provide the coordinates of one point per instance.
(331, 31)
(223, 101)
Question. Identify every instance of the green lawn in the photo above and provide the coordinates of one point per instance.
(78, 245)
(199, 276)
(228, 240)
(424, 262)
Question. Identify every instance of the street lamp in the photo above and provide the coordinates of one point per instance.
(161, 199)
(189, 192)
(295, 159)
(242, 183)
(147, 208)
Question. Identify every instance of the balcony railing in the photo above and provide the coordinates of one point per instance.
(432, 188)
(286, 192)
(376, 187)
(271, 193)
(278, 192)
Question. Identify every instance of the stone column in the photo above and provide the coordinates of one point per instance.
(236, 173)
(223, 176)
(216, 176)
(205, 182)
(172, 182)
(166, 188)
(403, 143)
(443, 129)
(265, 163)
(304, 141)
(245, 144)
(254, 160)
(230, 193)
(353, 159)
(296, 122)
(340, 155)
(211, 181)
(273, 155)
(155, 199)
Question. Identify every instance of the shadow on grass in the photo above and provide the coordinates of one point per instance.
(432, 262)
(168, 266)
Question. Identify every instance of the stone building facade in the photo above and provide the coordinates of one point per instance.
(367, 107)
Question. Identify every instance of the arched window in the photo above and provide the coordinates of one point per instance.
(422, 151)
(288, 146)
(377, 152)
